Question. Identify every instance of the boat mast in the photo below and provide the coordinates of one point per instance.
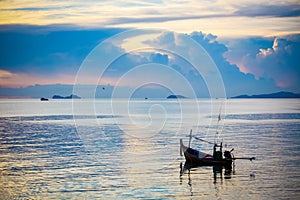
(190, 138)
(217, 135)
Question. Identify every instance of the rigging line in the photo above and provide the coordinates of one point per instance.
(217, 134)
(202, 140)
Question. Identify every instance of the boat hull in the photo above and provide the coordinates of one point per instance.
(194, 157)
(206, 161)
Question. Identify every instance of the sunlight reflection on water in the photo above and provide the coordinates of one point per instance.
(44, 157)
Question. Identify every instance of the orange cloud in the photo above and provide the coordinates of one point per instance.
(15, 80)
(226, 18)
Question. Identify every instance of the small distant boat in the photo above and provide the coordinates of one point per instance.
(44, 99)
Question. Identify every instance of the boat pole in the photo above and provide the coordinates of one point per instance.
(244, 158)
(181, 144)
(190, 138)
(217, 134)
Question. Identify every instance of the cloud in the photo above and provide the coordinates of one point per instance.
(15, 80)
(260, 10)
(47, 49)
(66, 49)
(236, 82)
(241, 47)
(151, 19)
(159, 58)
(247, 10)
(187, 16)
(278, 61)
(37, 91)
(37, 8)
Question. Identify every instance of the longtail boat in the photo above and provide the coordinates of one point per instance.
(218, 158)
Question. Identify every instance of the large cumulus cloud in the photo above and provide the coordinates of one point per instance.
(279, 61)
(61, 52)
(236, 82)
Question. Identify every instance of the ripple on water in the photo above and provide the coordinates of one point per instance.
(51, 160)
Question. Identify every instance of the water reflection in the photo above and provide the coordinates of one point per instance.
(43, 157)
(219, 174)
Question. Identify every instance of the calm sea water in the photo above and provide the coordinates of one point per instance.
(103, 149)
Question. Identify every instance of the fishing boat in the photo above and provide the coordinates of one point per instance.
(194, 157)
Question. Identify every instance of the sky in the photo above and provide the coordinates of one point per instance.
(254, 45)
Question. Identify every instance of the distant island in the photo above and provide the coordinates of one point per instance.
(72, 96)
(173, 96)
(44, 99)
(272, 95)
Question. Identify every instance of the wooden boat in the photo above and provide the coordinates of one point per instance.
(194, 157)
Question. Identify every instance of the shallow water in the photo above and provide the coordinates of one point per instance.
(109, 151)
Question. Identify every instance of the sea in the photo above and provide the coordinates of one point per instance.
(129, 148)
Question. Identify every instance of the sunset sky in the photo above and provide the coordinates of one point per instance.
(255, 44)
